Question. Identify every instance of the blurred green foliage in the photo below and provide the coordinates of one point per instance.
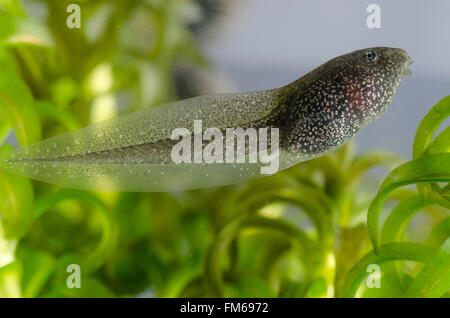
(299, 233)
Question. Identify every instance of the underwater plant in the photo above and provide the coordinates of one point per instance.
(312, 230)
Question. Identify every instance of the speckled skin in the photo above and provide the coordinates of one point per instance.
(332, 103)
(315, 114)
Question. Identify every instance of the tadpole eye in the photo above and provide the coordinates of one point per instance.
(370, 55)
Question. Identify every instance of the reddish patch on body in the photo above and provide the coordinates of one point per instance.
(354, 96)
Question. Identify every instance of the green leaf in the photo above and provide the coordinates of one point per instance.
(37, 268)
(6, 26)
(13, 7)
(7, 249)
(313, 203)
(250, 286)
(90, 288)
(440, 143)
(10, 280)
(318, 289)
(423, 145)
(17, 106)
(48, 109)
(386, 252)
(4, 130)
(434, 279)
(16, 200)
(395, 224)
(439, 233)
(392, 231)
(7, 62)
(220, 245)
(430, 168)
(108, 224)
(428, 126)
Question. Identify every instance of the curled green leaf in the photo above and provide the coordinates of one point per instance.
(387, 252)
(429, 125)
(398, 219)
(394, 227)
(108, 238)
(439, 233)
(37, 269)
(440, 143)
(430, 168)
(434, 279)
(217, 251)
(423, 145)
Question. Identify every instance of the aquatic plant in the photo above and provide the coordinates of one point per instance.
(299, 233)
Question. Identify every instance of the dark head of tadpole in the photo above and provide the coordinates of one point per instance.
(332, 103)
(370, 79)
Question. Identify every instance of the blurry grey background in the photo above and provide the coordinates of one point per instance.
(263, 44)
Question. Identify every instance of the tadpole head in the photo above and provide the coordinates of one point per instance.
(333, 102)
(370, 78)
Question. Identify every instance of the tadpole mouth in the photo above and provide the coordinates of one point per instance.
(408, 61)
(401, 57)
(408, 72)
